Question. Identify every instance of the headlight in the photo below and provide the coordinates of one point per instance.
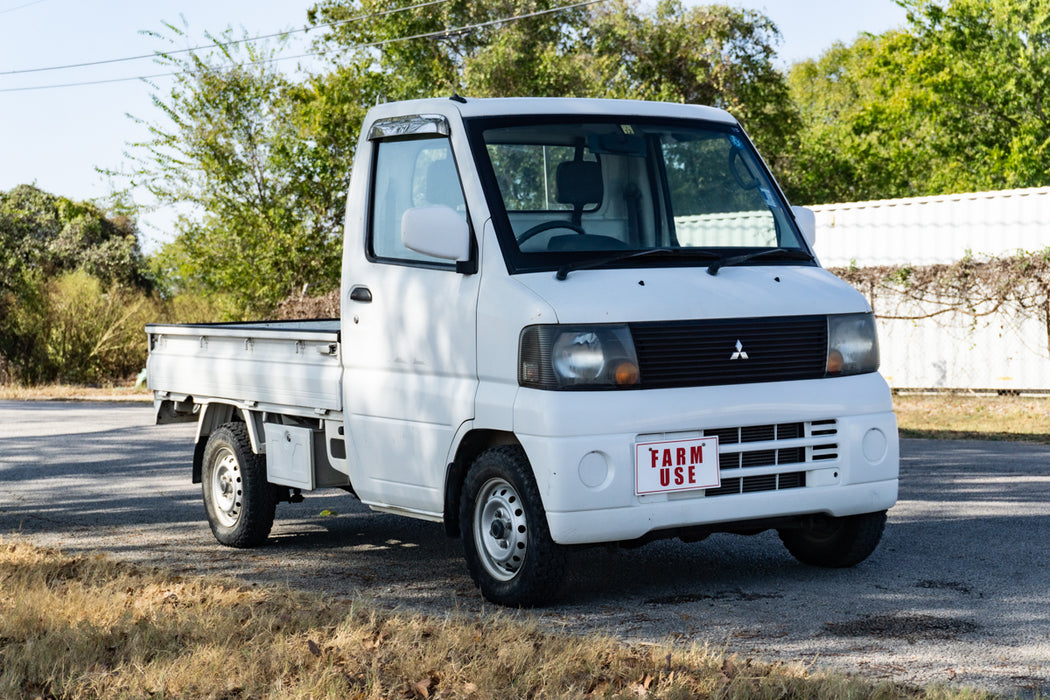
(577, 357)
(853, 347)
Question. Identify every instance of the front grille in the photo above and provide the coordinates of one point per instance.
(730, 351)
(766, 482)
(778, 453)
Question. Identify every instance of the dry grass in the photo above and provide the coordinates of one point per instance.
(87, 627)
(64, 392)
(972, 417)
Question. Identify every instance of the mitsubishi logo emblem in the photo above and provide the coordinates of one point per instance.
(739, 354)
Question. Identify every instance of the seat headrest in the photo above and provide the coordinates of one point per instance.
(579, 182)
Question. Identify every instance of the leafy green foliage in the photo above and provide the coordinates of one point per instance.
(709, 55)
(712, 55)
(259, 164)
(952, 103)
(49, 234)
(71, 281)
(988, 68)
(427, 51)
(90, 333)
(259, 167)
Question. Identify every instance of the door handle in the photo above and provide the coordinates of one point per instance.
(362, 294)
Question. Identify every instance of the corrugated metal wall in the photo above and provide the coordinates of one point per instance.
(1000, 352)
(926, 230)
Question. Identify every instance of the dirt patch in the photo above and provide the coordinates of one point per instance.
(911, 628)
(738, 595)
(957, 586)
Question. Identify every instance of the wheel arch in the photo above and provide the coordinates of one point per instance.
(214, 415)
(470, 446)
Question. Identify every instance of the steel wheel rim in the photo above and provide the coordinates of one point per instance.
(226, 488)
(500, 529)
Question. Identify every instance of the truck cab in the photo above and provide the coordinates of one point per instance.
(568, 322)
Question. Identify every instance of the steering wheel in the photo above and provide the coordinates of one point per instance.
(547, 226)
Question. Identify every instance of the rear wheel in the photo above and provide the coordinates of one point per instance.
(835, 542)
(237, 498)
(508, 547)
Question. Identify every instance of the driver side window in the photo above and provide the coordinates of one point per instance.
(410, 173)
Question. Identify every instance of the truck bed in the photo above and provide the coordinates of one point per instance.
(292, 366)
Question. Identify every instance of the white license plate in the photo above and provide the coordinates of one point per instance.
(676, 465)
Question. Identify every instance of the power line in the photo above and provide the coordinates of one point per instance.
(481, 25)
(374, 44)
(234, 42)
(88, 82)
(19, 7)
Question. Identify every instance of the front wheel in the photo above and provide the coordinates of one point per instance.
(237, 498)
(835, 542)
(508, 547)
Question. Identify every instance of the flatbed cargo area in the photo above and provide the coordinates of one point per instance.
(291, 365)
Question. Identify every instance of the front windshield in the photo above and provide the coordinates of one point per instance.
(572, 191)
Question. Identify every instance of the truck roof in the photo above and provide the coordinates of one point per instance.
(500, 106)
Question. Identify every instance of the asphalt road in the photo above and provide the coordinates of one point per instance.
(957, 593)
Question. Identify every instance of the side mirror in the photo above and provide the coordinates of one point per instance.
(436, 230)
(807, 221)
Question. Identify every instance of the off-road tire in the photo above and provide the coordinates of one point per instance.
(835, 542)
(239, 502)
(506, 541)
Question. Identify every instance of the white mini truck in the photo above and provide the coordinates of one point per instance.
(564, 322)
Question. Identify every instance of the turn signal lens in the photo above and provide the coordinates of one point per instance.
(627, 374)
(834, 362)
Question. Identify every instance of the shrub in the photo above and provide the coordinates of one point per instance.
(72, 329)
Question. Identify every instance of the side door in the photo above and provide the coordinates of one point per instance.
(409, 333)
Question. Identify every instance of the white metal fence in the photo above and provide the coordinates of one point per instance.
(1000, 352)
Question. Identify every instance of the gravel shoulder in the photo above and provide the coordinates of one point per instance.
(956, 594)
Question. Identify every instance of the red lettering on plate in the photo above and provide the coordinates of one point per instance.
(681, 465)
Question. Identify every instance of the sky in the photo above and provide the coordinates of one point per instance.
(57, 137)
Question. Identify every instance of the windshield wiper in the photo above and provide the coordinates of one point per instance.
(564, 270)
(783, 253)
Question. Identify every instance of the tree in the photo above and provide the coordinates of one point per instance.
(264, 161)
(50, 234)
(986, 65)
(262, 164)
(859, 135)
(711, 55)
(62, 260)
(462, 45)
(952, 103)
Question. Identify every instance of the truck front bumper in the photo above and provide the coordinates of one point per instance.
(786, 449)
